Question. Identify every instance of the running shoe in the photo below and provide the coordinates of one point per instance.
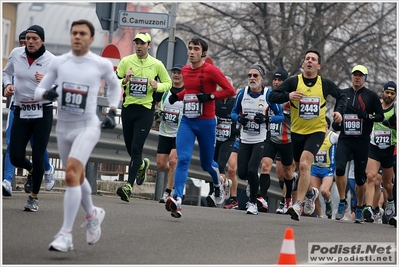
(174, 206)
(7, 188)
(210, 201)
(329, 207)
(164, 197)
(280, 209)
(309, 204)
(93, 224)
(342, 209)
(262, 204)
(390, 210)
(62, 243)
(125, 192)
(227, 186)
(392, 221)
(368, 214)
(295, 211)
(233, 204)
(219, 193)
(142, 173)
(49, 179)
(252, 208)
(358, 215)
(32, 204)
(28, 184)
(378, 214)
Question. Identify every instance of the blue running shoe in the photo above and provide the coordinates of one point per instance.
(358, 215)
(342, 209)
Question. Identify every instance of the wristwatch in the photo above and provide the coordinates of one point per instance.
(371, 116)
(212, 96)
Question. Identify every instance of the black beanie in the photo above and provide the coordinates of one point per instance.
(36, 29)
(22, 35)
(280, 73)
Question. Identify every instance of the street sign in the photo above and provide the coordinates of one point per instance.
(103, 11)
(143, 19)
(179, 55)
(112, 53)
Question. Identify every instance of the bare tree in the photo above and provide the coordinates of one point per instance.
(277, 35)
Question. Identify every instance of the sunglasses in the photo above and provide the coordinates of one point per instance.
(253, 74)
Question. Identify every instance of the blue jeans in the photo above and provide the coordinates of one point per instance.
(9, 169)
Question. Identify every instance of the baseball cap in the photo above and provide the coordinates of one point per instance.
(390, 86)
(360, 68)
(177, 67)
(280, 73)
(143, 36)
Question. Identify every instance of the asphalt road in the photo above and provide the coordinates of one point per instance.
(142, 232)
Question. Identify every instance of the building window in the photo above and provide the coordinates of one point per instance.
(6, 37)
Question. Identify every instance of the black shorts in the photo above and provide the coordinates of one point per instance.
(310, 142)
(166, 144)
(272, 150)
(384, 156)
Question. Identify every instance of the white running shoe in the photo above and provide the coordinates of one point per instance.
(309, 205)
(93, 224)
(219, 193)
(164, 197)
(227, 186)
(7, 188)
(61, 243)
(262, 204)
(49, 179)
(252, 208)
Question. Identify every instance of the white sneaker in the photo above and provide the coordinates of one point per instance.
(309, 205)
(49, 180)
(227, 186)
(252, 208)
(93, 224)
(164, 197)
(219, 193)
(7, 189)
(62, 243)
(262, 204)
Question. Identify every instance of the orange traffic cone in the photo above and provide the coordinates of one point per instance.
(287, 253)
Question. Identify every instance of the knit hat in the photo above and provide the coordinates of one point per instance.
(390, 86)
(36, 29)
(22, 35)
(281, 74)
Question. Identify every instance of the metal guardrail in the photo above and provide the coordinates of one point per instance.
(111, 150)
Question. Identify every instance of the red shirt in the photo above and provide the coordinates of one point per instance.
(211, 77)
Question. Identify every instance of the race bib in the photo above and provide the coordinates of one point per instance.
(138, 87)
(31, 110)
(352, 124)
(171, 116)
(192, 108)
(320, 158)
(251, 127)
(383, 138)
(309, 107)
(74, 97)
(223, 131)
(274, 128)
